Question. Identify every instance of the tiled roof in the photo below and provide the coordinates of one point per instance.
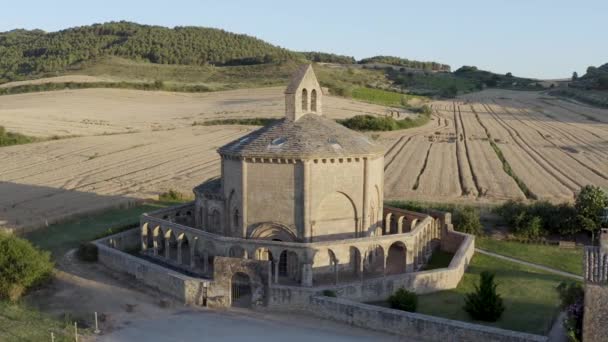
(311, 136)
(296, 78)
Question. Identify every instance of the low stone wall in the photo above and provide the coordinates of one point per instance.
(189, 290)
(378, 289)
(595, 319)
(415, 326)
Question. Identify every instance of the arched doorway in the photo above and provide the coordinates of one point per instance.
(240, 290)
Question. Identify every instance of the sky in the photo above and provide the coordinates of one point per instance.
(532, 38)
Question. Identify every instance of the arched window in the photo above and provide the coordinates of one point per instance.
(313, 100)
(235, 218)
(215, 220)
(304, 99)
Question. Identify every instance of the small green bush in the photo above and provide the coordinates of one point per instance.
(404, 300)
(87, 251)
(329, 293)
(485, 304)
(466, 220)
(21, 266)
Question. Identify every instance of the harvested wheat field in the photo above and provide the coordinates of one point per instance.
(135, 144)
(497, 145)
(132, 145)
(112, 111)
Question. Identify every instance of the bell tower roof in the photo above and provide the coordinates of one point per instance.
(303, 95)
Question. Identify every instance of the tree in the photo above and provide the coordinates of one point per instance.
(589, 204)
(509, 74)
(21, 266)
(574, 76)
(485, 304)
(404, 300)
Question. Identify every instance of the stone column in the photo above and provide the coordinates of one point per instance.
(384, 259)
(409, 260)
(167, 248)
(179, 252)
(307, 232)
(276, 271)
(144, 242)
(365, 224)
(205, 262)
(336, 271)
(192, 256)
(360, 268)
(306, 275)
(244, 203)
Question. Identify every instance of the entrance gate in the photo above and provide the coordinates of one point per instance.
(241, 290)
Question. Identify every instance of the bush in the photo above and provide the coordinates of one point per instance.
(485, 304)
(87, 251)
(21, 266)
(329, 293)
(466, 220)
(572, 295)
(404, 300)
(532, 221)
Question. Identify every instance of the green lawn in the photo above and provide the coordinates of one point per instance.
(529, 295)
(568, 260)
(19, 322)
(61, 237)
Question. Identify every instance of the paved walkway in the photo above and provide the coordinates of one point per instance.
(540, 267)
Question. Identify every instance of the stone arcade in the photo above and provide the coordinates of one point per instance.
(298, 209)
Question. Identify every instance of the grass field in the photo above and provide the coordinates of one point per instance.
(529, 296)
(18, 322)
(61, 237)
(567, 260)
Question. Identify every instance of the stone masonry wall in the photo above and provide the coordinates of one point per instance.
(415, 326)
(595, 319)
(376, 289)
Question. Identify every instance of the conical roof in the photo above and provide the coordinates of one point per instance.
(311, 136)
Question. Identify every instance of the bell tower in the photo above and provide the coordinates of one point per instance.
(303, 94)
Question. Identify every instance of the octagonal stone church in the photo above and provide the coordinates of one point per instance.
(298, 208)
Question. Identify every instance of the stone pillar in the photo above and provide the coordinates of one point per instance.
(179, 252)
(205, 262)
(192, 256)
(366, 222)
(336, 271)
(276, 271)
(167, 248)
(384, 259)
(144, 242)
(244, 203)
(306, 228)
(306, 275)
(409, 260)
(360, 266)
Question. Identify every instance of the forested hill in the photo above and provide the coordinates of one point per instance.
(25, 53)
(595, 78)
(35, 53)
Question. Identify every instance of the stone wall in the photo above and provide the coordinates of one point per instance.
(377, 289)
(187, 289)
(595, 319)
(415, 326)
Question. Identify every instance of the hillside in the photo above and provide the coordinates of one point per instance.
(26, 53)
(591, 88)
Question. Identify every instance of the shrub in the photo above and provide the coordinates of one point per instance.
(21, 266)
(171, 195)
(404, 300)
(329, 293)
(87, 251)
(485, 304)
(466, 220)
(572, 295)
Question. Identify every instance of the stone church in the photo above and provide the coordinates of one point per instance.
(298, 209)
